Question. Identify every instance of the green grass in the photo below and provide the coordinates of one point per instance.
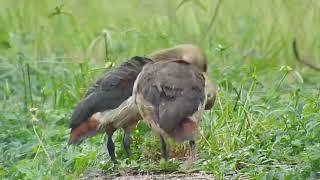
(48, 59)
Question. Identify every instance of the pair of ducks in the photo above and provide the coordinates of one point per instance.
(169, 89)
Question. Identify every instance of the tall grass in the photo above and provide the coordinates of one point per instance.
(265, 122)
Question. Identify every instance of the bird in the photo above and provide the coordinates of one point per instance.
(112, 93)
(171, 98)
(108, 92)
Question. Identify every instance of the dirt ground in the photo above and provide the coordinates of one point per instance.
(175, 176)
(157, 177)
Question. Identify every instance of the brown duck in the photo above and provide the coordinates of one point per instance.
(171, 97)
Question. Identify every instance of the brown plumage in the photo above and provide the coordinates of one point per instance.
(107, 106)
(171, 97)
(107, 93)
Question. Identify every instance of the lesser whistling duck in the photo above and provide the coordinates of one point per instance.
(171, 97)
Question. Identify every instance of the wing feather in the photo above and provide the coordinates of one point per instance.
(175, 89)
(109, 91)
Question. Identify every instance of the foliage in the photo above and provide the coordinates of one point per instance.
(266, 120)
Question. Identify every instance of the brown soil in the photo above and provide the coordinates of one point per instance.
(146, 176)
(176, 176)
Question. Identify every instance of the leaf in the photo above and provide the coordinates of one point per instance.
(297, 143)
(82, 162)
(299, 76)
(4, 39)
(183, 2)
(197, 3)
(2, 172)
(200, 5)
(5, 44)
(24, 166)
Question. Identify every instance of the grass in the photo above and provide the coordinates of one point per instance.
(266, 120)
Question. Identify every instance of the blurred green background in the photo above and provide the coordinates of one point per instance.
(52, 51)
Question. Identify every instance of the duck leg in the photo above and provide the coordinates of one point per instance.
(192, 144)
(164, 148)
(111, 147)
(192, 157)
(126, 143)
